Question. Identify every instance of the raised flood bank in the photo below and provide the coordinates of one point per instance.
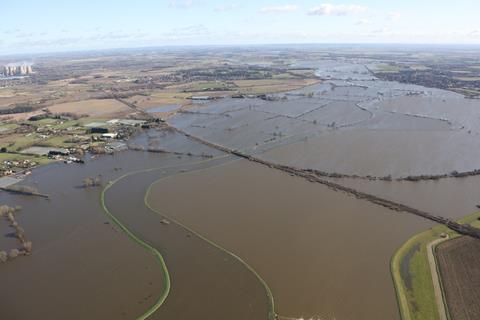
(24, 190)
(187, 260)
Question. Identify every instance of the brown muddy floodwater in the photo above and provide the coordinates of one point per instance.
(323, 253)
(454, 198)
(207, 283)
(83, 267)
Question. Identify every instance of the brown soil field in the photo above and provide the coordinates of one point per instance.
(159, 99)
(272, 85)
(7, 101)
(274, 82)
(7, 93)
(94, 107)
(458, 261)
(19, 116)
(8, 138)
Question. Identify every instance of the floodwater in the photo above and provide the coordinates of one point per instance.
(454, 198)
(323, 253)
(350, 124)
(79, 259)
(206, 282)
(80, 256)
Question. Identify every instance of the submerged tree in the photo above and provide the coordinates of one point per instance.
(13, 253)
(3, 256)
(92, 182)
(27, 246)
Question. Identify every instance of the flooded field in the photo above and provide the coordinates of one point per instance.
(323, 253)
(349, 124)
(453, 197)
(319, 250)
(211, 282)
(79, 255)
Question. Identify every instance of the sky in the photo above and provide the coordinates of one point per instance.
(30, 26)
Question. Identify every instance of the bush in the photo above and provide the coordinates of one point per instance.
(27, 246)
(13, 253)
(92, 182)
(3, 256)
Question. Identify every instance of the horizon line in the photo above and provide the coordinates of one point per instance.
(198, 46)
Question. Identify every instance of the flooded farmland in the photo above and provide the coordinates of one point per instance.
(224, 225)
(318, 249)
(80, 255)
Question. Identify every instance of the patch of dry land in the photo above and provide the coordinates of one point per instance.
(94, 107)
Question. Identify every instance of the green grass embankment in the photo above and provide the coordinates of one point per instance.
(146, 246)
(271, 302)
(157, 254)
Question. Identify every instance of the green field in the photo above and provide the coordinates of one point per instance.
(386, 68)
(21, 143)
(20, 157)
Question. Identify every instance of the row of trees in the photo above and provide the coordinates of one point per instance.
(9, 214)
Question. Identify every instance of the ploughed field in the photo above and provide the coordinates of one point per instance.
(458, 261)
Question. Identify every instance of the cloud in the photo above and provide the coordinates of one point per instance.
(188, 32)
(279, 9)
(12, 31)
(227, 7)
(475, 33)
(394, 16)
(116, 35)
(181, 4)
(326, 9)
(384, 30)
(363, 22)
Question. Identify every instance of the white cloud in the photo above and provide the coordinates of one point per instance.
(187, 32)
(475, 33)
(279, 9)
(227, 7)
(336, 9)
(394, 16)
(181, 4)
(363, 22)
(382, 31)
